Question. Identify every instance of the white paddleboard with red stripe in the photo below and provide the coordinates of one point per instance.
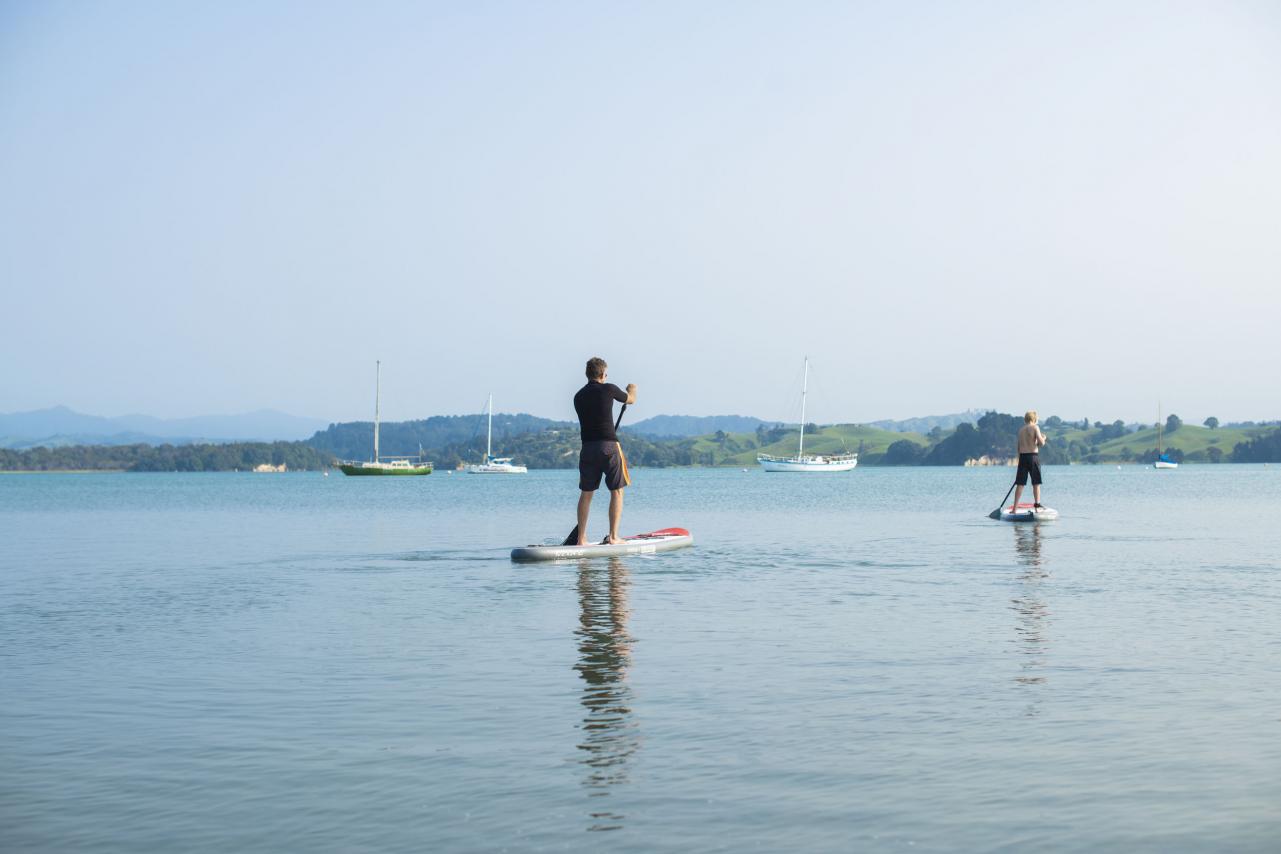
(639, 544)
(1028, 513)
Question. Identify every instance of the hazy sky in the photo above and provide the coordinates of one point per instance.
(217, 207)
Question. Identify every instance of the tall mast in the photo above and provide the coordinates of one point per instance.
(489, 433)
(805, 385)
(1158, 429)
(378, 376)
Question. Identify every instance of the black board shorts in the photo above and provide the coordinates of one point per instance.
(602, 459)
(1029, 464)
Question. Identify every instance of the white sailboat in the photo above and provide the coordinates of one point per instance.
(492, 464)
(801, 462)
(1163, 460)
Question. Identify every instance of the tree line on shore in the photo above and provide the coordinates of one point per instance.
(994, 437)
(1263, 449)
(354, 440)
(542, 444)
(233, 456)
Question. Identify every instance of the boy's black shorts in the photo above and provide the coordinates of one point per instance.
(1029, 464)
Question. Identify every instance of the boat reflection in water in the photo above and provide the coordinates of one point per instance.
(608, 732)
(1033, 615)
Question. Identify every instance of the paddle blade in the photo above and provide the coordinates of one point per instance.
(572, 539)
(996, 514)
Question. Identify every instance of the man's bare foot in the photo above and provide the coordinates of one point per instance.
(611, 540)
(581, 542)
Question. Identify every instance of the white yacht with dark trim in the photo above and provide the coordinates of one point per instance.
(492, 464)
(818, 462)
(813, 462)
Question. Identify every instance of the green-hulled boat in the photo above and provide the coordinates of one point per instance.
(381, 465)
(390, 466)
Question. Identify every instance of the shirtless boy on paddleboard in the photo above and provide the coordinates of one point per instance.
(1030, 441)
(602, 456)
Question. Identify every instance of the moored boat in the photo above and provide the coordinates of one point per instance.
(802, 461)
(493, 464)
(380, 465)
(827, 462)
(1163, 460)
(386, 466)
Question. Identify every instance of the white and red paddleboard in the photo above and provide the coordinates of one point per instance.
(1028, 513)
(638, 544)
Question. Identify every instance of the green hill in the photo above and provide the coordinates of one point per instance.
(740, 449)
(1195, 443)
(354, 440)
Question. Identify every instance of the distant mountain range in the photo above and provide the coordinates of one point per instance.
(926, 423)
(60, 426)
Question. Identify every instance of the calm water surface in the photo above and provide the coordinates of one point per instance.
(847, 662)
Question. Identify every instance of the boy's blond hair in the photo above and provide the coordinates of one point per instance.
(1029, 416)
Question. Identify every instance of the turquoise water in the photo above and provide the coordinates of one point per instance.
(850, 662)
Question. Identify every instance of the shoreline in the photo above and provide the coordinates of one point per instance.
(64, 471)
(753, 467)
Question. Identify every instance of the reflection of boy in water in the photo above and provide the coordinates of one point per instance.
(1030, 440)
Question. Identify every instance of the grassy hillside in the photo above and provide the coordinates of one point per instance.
(1187, 438)
(1195, 442)
(740, 449)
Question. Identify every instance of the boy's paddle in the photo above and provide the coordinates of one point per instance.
(572, 539)
(995, 514)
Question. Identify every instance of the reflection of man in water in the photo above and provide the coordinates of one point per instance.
(604, 654)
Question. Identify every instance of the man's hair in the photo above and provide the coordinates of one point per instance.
(596, 368)
(1029, 416)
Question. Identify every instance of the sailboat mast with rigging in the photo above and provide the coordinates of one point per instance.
(493, 464)
(1163, 460)
(801, 462)
(381, 465)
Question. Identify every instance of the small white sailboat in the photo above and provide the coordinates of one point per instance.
(1163, 460)
(492, 464)
(801, 462)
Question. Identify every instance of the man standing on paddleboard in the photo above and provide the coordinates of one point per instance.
(601, 457)
(1030, 441)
